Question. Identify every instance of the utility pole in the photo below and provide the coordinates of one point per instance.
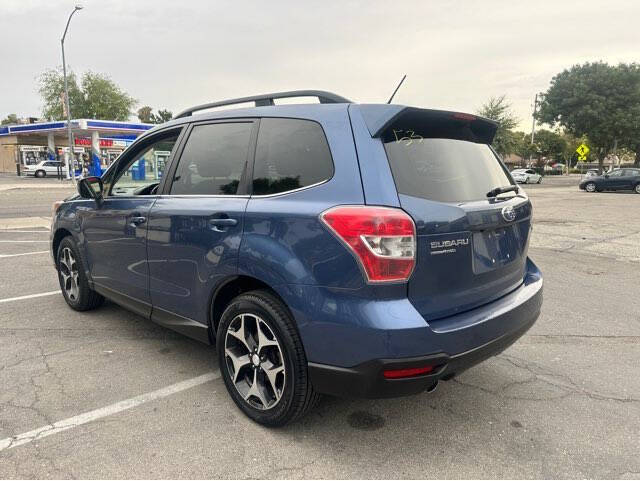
(533, 125)
(71, 162)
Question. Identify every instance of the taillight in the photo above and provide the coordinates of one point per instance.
(382, 238)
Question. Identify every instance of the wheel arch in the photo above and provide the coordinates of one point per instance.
(60, 234)
(231, 288)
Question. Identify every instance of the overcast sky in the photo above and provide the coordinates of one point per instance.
(173, 54)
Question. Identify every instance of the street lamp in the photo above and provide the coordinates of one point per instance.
(66, 97)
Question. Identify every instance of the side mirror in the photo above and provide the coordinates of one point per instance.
(91, 188)
(606, 176)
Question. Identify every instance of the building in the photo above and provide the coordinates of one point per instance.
(97, 143)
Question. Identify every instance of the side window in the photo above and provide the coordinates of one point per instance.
(144, 169)
(616, 173)
(213, 160)
(290, 154)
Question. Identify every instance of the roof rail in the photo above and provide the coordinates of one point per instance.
(268, 99)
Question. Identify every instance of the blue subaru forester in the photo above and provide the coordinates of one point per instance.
(365, 250)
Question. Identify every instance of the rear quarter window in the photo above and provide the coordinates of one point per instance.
(290, 154)
(442, 169)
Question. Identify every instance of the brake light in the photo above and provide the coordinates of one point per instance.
(461, 116)
(383, 239)
(410, 372)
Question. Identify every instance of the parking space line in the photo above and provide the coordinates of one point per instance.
(23, 254)
(5, 231)
(21, 241)
(90, 416)
(30, 296)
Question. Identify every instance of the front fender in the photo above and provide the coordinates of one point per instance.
(68, 219)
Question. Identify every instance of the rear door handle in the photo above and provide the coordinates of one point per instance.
(219, 224)
(138, 220)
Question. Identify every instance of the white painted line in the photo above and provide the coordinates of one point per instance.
(30, 296)
(23, 254)
(90, 416)
(6, 231)
(21, 241)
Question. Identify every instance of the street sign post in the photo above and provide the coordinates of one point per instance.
(582, 151)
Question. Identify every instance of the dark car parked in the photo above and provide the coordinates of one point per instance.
(619, 179)
(341, 248)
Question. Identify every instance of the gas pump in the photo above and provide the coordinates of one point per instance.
(160, 160)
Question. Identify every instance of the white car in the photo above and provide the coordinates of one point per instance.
(526, 176)
(44, 168)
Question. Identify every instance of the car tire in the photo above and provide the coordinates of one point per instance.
(262, 360)
(73, 278)
(526, 180)
(41, 173)
(540, 180)
(590, 187)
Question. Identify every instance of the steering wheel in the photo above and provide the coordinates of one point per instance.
(150, 189)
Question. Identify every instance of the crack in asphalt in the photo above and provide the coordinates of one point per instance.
(539, 373)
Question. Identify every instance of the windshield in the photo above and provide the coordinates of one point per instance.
(444, 170)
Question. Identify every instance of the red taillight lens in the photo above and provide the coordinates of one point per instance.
(399, 373)
(383, 239)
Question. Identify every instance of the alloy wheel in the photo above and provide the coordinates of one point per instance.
(590, 187)
(69, 272)
(254, 361)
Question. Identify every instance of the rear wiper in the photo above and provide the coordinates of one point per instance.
(502, 190)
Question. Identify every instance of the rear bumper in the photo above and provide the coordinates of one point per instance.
(459, 343)
(367, 381)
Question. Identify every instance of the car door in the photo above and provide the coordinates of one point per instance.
(115, 232)
(195, 226)
(634, 177)
(614, 180)
(629, 179)
(532, 178)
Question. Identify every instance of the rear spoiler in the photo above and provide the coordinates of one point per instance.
(383, 119)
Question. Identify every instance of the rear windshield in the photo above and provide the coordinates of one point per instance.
(443, 170)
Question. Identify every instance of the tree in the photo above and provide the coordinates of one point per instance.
(145, 114)
(499, 109)
(51, 89)
(97, 97)
(163, 116)
(10, 119)
(599, 101)
(523, 146)
(549, 145)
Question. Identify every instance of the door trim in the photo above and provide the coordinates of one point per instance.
(184, 325)
(134, 305)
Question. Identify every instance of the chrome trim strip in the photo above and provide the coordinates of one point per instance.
(263, 196)
(205, 196)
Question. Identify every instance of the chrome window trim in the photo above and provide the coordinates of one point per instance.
(204, 196)
(262, 196)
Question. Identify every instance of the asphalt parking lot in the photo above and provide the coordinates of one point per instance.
(120, 397)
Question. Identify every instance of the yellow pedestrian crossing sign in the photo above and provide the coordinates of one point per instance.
(582, 151)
